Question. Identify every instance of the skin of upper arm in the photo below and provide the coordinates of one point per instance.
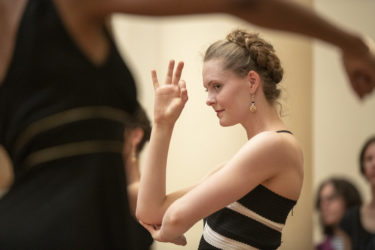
(98, 9)
(251, 166)
(156, 8)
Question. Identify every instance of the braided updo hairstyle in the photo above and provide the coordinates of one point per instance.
(242, 52)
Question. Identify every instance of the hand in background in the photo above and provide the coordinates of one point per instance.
(361, 70)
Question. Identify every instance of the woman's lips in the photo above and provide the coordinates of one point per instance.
(219, 112)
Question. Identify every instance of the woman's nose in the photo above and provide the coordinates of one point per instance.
(210, 100)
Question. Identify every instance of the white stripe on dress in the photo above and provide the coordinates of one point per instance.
(239, 208)
(222, 242)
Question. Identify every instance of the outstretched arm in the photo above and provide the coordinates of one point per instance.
(358, 52)
(285, 15)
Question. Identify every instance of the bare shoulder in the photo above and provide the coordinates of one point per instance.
(282, 156)
(280, 152)
(275, 144)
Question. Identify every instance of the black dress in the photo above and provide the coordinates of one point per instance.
(62, 121)
(253, 222)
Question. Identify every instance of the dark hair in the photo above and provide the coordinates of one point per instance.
(369, 141)
(344, 189)
(140, 120)
(242, 52)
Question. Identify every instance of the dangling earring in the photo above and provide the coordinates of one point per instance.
(253, 108)
(134, 157)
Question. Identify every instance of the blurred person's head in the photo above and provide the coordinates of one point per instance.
(367, 160)
(334, 197)
(137, 133)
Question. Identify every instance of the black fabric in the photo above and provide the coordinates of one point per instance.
(77, 202)
(142, 237)
(233, 225)
(238, 227)
(272, 203)
(204, 245)
(284, 131)
(360, 238)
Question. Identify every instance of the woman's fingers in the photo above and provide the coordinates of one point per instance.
(147, 226)
(174, 78)
(154, 79)
(168, 79)
(181, 241)
(177, 74)
(363, 85)
(183, 91)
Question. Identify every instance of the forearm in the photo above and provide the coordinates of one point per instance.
(175, 223)
(292, 17)
(152, 189)
(285, 15)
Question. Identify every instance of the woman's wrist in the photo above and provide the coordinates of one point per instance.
(356, 45)
(163, 125)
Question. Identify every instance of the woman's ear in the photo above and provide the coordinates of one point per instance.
(254, 81)
(136, 137)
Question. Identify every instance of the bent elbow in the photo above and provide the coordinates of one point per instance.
(148, 216)
(175, 217)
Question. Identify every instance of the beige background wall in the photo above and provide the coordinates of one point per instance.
(324, 115)
(199, 143)
(341, 122)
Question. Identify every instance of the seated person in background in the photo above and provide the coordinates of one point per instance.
(137, 133)
(359, 222)
(334, 197)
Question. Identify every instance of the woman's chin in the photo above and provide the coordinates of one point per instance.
(224, 123)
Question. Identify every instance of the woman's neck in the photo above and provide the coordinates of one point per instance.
(265, 119)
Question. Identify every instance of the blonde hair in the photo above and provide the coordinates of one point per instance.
(242, 52)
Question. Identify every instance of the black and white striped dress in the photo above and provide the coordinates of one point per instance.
(253, 222)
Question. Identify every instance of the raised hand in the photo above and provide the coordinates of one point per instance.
(170, 98)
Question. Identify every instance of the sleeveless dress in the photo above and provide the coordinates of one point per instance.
(61, 121)
(253, 222)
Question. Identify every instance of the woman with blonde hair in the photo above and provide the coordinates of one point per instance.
(244, 203)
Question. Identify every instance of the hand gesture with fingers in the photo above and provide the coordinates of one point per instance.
(170, 98)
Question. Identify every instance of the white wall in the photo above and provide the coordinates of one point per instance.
(341, 122)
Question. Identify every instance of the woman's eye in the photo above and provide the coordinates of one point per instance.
(217, 86)
(368, 159)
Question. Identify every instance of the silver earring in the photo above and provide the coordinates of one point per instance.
(253, 108)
